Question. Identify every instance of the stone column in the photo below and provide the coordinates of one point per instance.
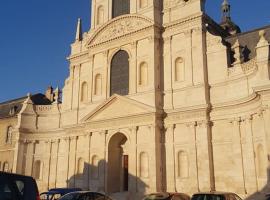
(133, 171)
(47, 162)
(205, 168)
(105, 81)
(29, 158)
(72, 161)
(72, 73)
(237, 148)
(170, 158)
(133, 69)
(106, 161)
(192, 129)
(168, 77)
(249, 160)
(189, 58)
(20, 158)
(266, 120)
(89, 160)
(91, 81)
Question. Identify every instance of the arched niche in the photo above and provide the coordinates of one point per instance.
(179, 69)
(80, 166)
(143, 3)
(261, 161)
(84, 92)
(100, 15)
(143, 74)
(183, 165)
(98, 85)
(37, 171)
(144, 165)
(95, 167)
(9, 135)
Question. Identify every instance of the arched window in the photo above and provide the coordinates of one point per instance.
(120, 7)
(183, 166)
(100, 15)
(6, 167)
(143, 74)
(80, 166)
(143, 3)
(120, 73)
(95, 167)
(84, 92)
(144, 165)
(260, 161)
(98, 85)
(37, 171)
(9, 135)
(179, 69)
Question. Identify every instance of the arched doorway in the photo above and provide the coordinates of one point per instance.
(117, 164)
(120, 73)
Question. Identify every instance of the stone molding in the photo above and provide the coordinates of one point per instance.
(186, 23)
(119, 27)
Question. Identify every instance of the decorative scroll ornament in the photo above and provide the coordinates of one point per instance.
(172, 3)
(119, 27)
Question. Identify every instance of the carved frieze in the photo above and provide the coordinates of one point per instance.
(119, 27)
(172, 3)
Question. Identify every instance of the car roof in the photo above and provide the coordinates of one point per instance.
(214, 192)
(65, 189)
(15, 175)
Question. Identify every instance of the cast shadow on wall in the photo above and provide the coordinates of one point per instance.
(98, 178)
(262, 194)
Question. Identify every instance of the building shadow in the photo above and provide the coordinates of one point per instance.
(97, 178)
(262, 194)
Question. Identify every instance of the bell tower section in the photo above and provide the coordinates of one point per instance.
(186, 94)
(105, 10)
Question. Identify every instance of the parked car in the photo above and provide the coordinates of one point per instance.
(167, 196)
(85, 195)
(56, 193)
(18, 187)
(215, 196)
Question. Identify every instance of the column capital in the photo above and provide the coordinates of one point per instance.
(134, 44)
(191, 124)
(170, 127)
(205, 123)
(167, 39)
(235, 120)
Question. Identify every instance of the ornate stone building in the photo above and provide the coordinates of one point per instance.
(159, 98)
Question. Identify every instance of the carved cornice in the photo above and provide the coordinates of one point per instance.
(185, 116)
(132, 121)
(190, 22)
(119, 27)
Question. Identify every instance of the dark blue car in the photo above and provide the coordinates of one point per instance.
(56, 193)
(17, 187)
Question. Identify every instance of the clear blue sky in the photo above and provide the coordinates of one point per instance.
(35, 38)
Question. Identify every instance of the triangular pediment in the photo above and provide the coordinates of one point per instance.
(118, 107)
(119, 27)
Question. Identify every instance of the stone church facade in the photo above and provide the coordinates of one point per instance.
(159, 97)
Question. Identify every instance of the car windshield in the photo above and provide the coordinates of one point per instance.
(207, 197)
(70, 196)
(46, 196)
(156, 197)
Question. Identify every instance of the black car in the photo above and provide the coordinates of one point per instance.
(167, 196)
(84, 195)
(17, 187)
(215, 196)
